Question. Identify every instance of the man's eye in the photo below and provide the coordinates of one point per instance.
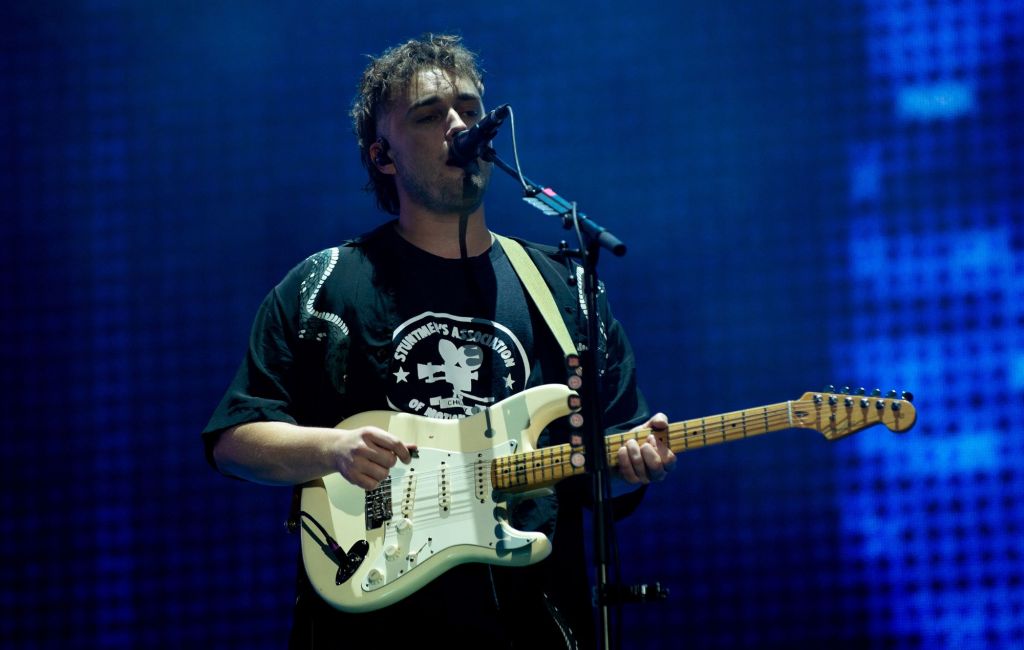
(426, 118)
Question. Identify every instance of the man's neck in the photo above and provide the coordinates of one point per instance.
(439, 234)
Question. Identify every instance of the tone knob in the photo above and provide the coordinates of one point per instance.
(375, 576)
(391, 551)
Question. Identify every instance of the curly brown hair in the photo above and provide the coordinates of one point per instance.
(385, 77)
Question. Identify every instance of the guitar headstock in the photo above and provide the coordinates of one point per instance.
(836, 414)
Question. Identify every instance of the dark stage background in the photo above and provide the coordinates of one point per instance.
(813, 193)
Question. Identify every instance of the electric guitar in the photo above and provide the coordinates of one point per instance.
(366, 549)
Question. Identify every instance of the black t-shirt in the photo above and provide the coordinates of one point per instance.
(466, 336)
(381, 324)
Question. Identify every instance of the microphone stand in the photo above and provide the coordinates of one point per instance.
(592, 237)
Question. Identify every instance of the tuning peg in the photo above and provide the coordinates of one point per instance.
(877, 392)
(907, 395)
(846, 390)
(829, 389)
(861, 391)
(892, 393)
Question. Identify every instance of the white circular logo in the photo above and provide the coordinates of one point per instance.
(445, 366)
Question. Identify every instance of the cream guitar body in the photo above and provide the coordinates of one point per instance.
(364, 550)
(439, 511)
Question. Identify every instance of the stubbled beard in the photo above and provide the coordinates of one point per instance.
(447, 197)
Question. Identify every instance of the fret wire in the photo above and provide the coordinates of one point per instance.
(679, 432)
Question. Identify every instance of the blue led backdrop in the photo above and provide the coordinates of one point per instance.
(813, 193)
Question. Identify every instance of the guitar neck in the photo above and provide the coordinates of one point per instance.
(833, 416)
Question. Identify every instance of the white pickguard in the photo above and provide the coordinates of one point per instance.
(441, 500)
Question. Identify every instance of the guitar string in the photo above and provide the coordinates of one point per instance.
(719, 426)
(767, 419)
(556, 456)
(678, 432)
(427, 512)
(722, 428)
(710, 430)
(708, 433)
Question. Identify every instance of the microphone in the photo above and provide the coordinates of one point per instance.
(467, 145)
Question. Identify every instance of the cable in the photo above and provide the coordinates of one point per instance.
(515, 151)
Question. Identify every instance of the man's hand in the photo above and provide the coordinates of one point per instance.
(365, 455)
(647, 461)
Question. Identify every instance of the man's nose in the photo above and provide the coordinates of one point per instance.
(455, 124)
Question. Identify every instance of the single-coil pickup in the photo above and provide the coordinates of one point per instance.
(409, 493)
(482, 478)
(444, 489)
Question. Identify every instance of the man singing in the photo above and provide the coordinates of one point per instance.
(426, 314)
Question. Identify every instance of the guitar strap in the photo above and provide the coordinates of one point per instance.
(539, 292)
(545, 302)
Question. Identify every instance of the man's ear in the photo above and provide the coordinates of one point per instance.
(379, 156)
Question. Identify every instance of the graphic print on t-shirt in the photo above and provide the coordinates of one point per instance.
(445, 366)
